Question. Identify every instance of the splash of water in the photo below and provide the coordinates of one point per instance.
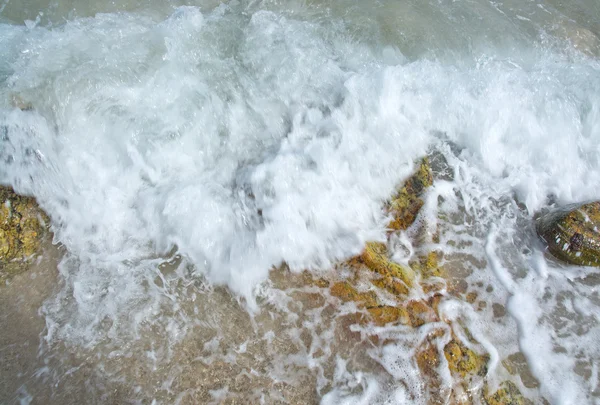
(248, 136)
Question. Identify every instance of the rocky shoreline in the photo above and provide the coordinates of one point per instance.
(25, 226)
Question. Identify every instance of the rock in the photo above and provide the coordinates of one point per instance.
(507, 394)
(466, 367)
(404, 206)
(395, 278)
(420, 313)
(464, 361)
(395, 287)
(516, 364)
(22, 226)
(385, 314)
(573, 233)
(375, 257)
(428, 357)
(407, 202)
(392, 303)
(346, 292)
(21, 104)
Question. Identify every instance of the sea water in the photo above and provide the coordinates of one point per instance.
(185, 149)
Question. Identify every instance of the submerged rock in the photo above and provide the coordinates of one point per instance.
(573, 233)
(404, 207)
(375, 257)
(439, 354)
(507, 394)
(407, 202)
(464, 361)
(20, 103)
(22, 226)
(346, 292)
(397, 279)
(466, 367)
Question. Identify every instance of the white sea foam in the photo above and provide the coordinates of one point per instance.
(249, 137)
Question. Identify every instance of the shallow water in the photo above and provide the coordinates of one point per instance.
(185, 149)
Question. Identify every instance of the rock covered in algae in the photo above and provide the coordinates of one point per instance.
(406, 312)
(375, 257)
(467, 363)
(404, 207)
(573, 233)
(397, 279)
(407, 202)
(507, 394)
(22, 226)
(346, 292)
(463, 360)
(466, 366)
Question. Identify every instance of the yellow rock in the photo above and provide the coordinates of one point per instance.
(463, 360)
(405, 205)
(471, 297)
(346, 292)
(387, 314)
(420, 313)
(430, 265)
(432, 276)
(375, 257)
(428, 359)
(395, 287)
(379, 314)
(507, 394)
(393, 277)
(22, 225)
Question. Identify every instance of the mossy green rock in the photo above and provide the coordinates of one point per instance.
(573, 233)
(22, 226)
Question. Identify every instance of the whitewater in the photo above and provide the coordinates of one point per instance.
(198, 159)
